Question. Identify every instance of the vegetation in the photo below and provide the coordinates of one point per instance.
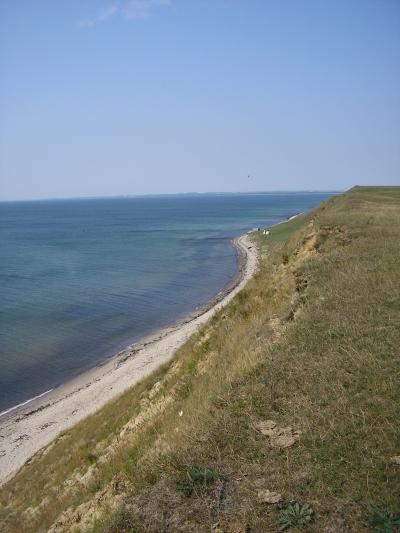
(295, 515)
(383, 520)
(289, 394)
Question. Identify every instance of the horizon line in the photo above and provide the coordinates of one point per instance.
(152, 195)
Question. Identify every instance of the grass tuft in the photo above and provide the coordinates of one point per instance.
(196, 477)
(381, 519)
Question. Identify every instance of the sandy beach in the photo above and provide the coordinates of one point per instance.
(32, 426)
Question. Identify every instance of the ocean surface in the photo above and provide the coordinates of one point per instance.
(81, 279)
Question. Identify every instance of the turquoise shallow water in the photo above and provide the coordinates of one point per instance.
(81, 279)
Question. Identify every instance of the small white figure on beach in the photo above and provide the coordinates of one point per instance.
(266, 232)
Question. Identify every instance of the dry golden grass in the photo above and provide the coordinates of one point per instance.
(311, 343)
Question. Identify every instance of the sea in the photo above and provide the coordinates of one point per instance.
(81, 279)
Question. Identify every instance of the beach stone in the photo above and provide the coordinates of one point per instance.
(268, 496)
(395, 460)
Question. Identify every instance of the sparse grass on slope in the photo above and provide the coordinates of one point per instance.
(312, 345)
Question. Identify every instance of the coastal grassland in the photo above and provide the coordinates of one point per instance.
(311, 343)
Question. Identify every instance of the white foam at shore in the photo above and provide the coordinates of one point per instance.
(24, 403)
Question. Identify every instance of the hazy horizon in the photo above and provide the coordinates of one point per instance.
(156, 195)
(104, 98)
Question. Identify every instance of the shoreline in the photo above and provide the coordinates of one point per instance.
(145, 339)
(31, 425)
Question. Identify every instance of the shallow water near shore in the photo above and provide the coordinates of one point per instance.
(81, 279)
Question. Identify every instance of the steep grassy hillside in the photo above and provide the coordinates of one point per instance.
(282, 412)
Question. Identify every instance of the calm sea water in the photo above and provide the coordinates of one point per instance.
(81, 279)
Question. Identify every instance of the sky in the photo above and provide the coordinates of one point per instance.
(124, 97)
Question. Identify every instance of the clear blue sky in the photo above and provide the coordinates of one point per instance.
(103, 97)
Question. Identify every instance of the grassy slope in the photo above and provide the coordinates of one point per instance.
(312, 342)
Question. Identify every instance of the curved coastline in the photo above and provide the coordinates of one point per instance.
(27, 428)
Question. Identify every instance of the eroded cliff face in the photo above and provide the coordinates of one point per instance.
(285, 402)
(162, 395)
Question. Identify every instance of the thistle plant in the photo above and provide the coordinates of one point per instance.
(295, 515)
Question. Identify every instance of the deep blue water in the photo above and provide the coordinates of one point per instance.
(81, 279)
